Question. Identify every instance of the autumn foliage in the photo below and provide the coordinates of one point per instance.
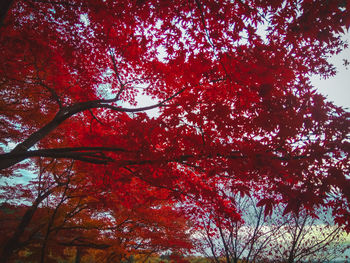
(229, 81)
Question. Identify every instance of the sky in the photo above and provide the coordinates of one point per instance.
(337, 88)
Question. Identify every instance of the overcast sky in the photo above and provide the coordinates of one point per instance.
(337, 89)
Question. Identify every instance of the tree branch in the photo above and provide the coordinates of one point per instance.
(5, 6)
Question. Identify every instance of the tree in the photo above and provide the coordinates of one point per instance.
(305, 238)
(245, 240)
(18, 229)
(67, 211)
(235, 107)
(275, 238)
(150, 226)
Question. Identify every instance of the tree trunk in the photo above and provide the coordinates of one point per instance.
(13, 243)
(78, 255)
(4, 8)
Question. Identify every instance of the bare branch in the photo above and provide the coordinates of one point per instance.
(54, 94)
(115, 68)
(95, 118)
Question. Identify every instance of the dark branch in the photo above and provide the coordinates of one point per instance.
(5, 6)
(86, 154)
(54, 94)
(95, 118)
(115, 68)
(84, 243)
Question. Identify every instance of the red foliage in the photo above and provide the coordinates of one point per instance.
(67, 211)
(236, 108)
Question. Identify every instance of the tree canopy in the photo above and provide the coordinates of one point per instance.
(230, 81)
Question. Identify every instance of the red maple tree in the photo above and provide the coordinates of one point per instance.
(62, 209)
(236, 106)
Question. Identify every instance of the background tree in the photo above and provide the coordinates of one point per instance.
(19, 230)
(245, 240)
(305, 238)
(276, 238)
(66, 210)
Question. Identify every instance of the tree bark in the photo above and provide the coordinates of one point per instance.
(5, 6)
(14, 242)
(78, 255)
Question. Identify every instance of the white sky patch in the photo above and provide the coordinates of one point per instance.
(145, 101)
(85, 19)
(337, 88)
